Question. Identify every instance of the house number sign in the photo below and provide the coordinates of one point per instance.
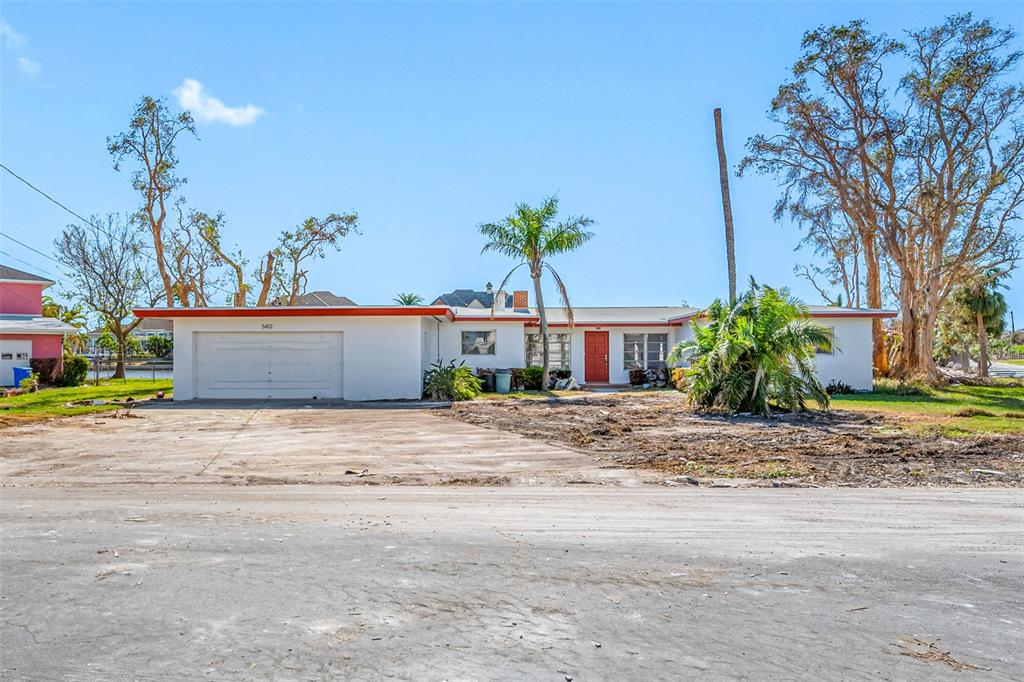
(267, 325)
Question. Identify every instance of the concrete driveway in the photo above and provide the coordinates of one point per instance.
(278, 442)
(582, 583)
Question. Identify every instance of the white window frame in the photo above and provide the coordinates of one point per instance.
(564, 353)
(645, 355)
(493, 342)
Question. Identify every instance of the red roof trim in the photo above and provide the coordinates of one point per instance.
(298, 311)
(607, 324)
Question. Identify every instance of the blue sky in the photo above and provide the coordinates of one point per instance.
(428, 119)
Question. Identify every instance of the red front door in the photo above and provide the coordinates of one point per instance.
(595, 357)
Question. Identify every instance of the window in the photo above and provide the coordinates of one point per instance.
(644, 351)
(828, 348)
(478, 343)
(558, 350)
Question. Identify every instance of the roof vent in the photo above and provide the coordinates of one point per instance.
(490, 288)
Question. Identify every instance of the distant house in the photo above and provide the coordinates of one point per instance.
(27, 339)
(323, 298)
(145, 329)
(380, 352)
(468, 298)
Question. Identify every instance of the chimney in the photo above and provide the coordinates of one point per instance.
(490, 288)
(500, 299)
(520, 299)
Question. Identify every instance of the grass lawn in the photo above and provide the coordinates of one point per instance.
(1000, 407)
(52, 402)
(1013, 362)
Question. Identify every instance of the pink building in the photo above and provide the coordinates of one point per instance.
(27, 339)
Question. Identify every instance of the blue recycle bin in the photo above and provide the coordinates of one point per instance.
(21, 373)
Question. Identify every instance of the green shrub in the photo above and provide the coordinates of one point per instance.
(532, 378)
(896, 387)
(450, 382)
(31, 382)
(678, 378)
(75, 369)
(836, 387)
(159, 346)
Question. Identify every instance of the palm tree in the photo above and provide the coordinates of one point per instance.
(754, 353)
(723, 180)
(408, 299)
(980, 299)
(531, 236)
(73, 316)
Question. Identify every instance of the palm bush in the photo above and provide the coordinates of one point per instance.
(450, 382)
(755, 354)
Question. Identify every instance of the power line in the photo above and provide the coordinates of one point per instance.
(46, 195)
(4, 234)
(77, 215)
(25, 262)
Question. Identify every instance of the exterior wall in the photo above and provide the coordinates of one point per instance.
(851, 362)
(43, 345)
(381, 356)
(617, 373)
(21, 299)
(509, 345)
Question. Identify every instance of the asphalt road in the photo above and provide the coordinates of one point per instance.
(309, 582)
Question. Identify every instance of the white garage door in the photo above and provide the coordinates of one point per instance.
(268, 365)
(13, 354)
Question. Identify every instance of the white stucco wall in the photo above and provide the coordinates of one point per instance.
(510, 344)
(382, 356)
(851, 362)
(617, 373)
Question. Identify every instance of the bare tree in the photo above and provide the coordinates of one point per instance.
(106, 262)
(149, 144)
(310, 239)
(723, 180)
(929, 177)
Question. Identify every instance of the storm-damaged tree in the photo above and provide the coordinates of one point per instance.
(930, 175)
(149, 145)
(192, 263)
(309, 239)
(107, 265)
(208, 229)
(531, 236)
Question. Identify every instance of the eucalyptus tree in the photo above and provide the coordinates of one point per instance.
(532, 235)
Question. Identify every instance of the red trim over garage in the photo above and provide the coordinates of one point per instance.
(300, 311)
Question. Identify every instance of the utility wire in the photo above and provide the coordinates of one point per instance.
(77, 215)
(25, 262)
(46, 195)
(4, 234)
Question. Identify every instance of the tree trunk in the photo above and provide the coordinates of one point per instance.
(723, 179)
(543, 327)
(982, 346)
(873, 284)
(268, 279)
(120, 335)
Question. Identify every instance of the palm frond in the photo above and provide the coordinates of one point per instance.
(563, 295)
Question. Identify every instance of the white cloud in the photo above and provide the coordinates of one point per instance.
(205, 107)
(11, 38)
(29, 66)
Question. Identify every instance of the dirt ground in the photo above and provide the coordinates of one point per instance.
(825, 449)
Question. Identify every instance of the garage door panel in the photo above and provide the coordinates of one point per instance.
(268, 365)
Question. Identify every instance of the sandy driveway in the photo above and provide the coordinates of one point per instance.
(250, 443)
(588, 583)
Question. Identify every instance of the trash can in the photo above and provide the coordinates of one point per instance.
(21, 373)
(502, 380)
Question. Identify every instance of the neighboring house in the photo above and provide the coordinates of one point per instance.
(27, 339)
(323, 298)
(145, 329)
(467, 298)
(380, 352)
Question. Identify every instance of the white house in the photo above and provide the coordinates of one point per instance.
(380, 352)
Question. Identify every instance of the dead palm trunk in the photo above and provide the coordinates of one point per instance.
(723, 178)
